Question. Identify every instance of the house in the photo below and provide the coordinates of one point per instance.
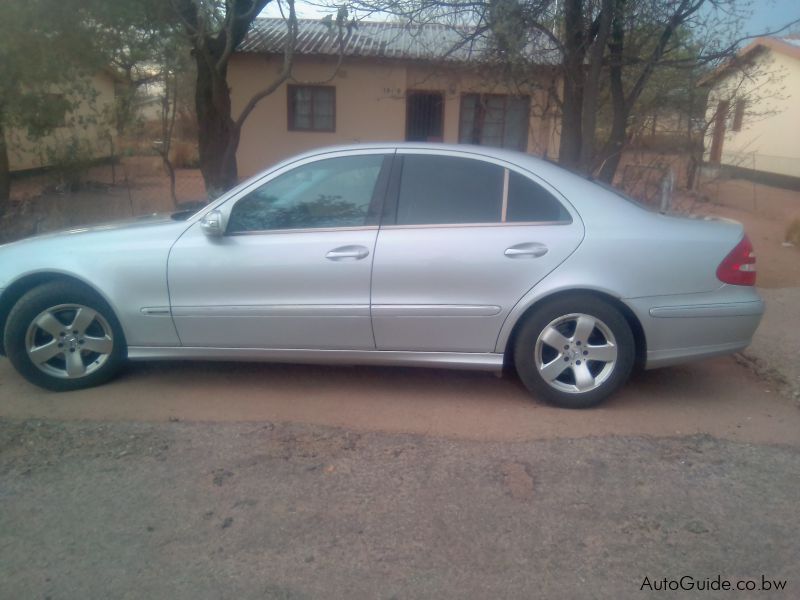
(395, 82)
(83, 126)
(753, 110)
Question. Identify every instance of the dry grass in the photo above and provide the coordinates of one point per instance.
(793, 232)
(184, 155)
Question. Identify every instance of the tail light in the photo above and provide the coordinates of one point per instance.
(739, 267)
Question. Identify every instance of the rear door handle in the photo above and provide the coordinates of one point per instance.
(348, 253)
(527, 250)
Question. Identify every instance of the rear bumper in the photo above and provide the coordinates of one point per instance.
(690, 327)
(677, 356)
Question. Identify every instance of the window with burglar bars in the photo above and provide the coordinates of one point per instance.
(494, 120)
(312, 107)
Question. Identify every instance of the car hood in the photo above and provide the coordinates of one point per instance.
(152, 220)
(75, 250)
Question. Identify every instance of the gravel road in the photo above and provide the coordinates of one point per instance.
(269, 511)
(776, 345)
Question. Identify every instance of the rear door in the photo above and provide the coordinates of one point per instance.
(462, 240)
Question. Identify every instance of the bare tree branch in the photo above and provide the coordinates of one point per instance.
(288, 61)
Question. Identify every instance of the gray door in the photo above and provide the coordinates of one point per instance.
(292, 270)
(462, 241)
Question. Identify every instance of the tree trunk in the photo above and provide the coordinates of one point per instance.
(572, 104)
(622, 104)
(591, 92)
(171, 174)
(216, 130)
(5, 173)
(614, 146)
(691, 165)
(612, 150)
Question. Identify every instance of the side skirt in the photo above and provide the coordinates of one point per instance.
(438, 360)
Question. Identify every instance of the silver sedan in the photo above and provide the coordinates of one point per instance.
(401, 254)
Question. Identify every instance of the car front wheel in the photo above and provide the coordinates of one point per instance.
(63, 337)
(574, 352)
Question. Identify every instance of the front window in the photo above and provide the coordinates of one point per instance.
(312, 107)
(334, 192)
(495, 120)
(48, 112)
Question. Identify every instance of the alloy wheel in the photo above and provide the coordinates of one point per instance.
(575, 353)
(69, 341)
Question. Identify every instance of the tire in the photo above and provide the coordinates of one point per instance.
(574, 352)
(62, 336)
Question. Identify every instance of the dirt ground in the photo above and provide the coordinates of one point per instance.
(720, 397)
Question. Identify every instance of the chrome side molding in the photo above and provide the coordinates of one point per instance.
(488, 361)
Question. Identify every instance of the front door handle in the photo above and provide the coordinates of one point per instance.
(348, 253)
(527, 250)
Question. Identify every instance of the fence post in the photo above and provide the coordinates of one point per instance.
(667, 184)
(755, 192)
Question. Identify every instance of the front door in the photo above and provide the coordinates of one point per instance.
(463, 240)
(293, 268)
(424, 117)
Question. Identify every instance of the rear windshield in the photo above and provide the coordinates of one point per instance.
(608, 187)
(620, 193)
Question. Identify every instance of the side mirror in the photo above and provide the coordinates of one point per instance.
(213, 224)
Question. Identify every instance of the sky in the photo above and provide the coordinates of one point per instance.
(767, 15)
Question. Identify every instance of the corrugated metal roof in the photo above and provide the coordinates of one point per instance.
(430, 41)
(788, 46)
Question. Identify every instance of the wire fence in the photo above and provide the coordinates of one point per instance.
(758, 161)
(130, 187)
(654, 178)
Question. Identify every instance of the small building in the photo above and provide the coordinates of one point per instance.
(386, 82)
(753, 109)
(77, 125)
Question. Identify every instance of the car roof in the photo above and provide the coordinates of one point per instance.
(589, 199)
(540, 166)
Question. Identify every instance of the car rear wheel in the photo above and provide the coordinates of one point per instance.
(574, 352)
(61, 336)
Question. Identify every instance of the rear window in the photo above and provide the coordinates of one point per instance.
(530, 202)
(449, 190)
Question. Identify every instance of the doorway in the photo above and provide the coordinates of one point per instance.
(424, 117)
(715, 155)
